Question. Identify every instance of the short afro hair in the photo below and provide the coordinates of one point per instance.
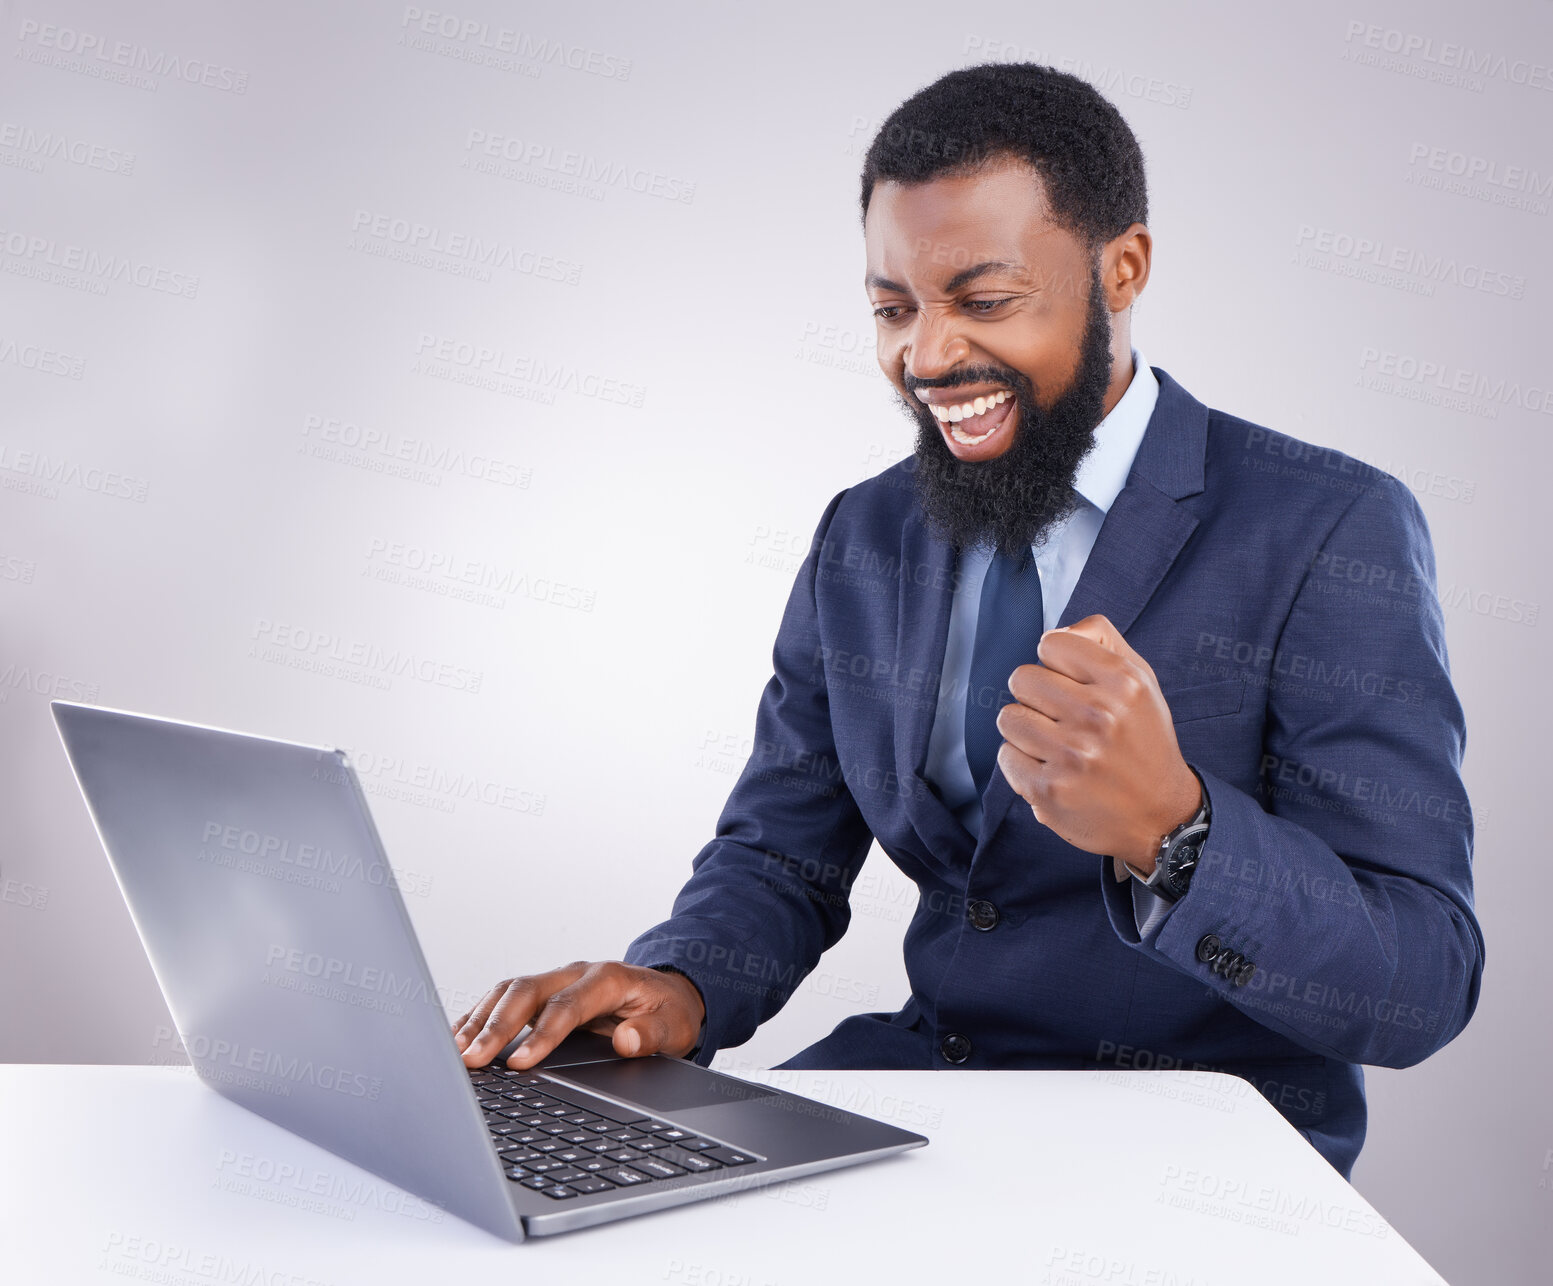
(1063, 126)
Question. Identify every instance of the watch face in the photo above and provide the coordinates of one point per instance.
(1179, 866)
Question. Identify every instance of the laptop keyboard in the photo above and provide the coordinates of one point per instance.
(568, 1143)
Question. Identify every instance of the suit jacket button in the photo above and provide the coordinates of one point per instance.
(955, 1047)
(1244, 973)
(1208, 948)
(983, 915)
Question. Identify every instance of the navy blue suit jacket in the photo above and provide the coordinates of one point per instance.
(1284, 595)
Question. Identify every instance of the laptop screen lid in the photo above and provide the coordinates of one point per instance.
(279, 937)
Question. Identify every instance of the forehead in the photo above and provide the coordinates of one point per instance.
(926, 232)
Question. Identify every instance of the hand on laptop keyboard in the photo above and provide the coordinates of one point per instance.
(645, 1011)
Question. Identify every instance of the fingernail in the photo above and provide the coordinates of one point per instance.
(631, 1042)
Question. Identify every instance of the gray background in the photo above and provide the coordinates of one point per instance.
(680, 374)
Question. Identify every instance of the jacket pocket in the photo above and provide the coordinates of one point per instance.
(1206, 700)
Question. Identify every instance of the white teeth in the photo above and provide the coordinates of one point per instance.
(953, 415)
(969, 410)
(965, 410)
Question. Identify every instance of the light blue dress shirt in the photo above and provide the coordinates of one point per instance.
(1101, 475)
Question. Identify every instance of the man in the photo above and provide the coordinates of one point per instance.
(1212, 817)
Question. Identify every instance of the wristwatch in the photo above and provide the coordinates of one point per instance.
(1178, 852)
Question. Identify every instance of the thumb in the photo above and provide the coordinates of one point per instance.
(641, 1036)
(1098, 629)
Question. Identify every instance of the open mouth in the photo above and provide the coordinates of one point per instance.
(976, 420)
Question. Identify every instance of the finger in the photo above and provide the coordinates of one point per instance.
(511, 1009)
(639, 1035)
(471, 1023)
(1025, 774)
(597, 992)
(1031, 731)
(644, 1034)
(1098, 629)
(1054, 694)
(1077, 655)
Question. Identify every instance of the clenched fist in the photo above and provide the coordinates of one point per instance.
(644, 1010)
(1088, 743)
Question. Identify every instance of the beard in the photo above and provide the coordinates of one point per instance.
(1013, 500)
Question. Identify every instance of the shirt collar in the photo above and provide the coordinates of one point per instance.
(1103, 472)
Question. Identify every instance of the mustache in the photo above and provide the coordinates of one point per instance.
(970, 375)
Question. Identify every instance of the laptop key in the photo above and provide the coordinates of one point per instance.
(599, 1145)
(565, 1174)
(695, 1144)
(596, 1165)
(695, 1162)
(577, 1137)
(584, 1102)
(623, 1155)
(572, 1155)
(671, 1135)
(536, 1181)
(591, 1184)
(624, 1176)
(649, 1144)
(659, 1169)
(728, 1156)
(561, 1192)
(624, 1136)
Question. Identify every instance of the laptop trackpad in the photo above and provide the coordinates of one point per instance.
(661, 1084)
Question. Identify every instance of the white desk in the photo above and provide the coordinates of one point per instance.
(1111, 1179)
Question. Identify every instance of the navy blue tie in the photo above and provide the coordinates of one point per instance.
(1008, 629)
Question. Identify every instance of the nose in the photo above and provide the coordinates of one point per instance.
(935, 346)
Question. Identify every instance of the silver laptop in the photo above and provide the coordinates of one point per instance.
(277, 932)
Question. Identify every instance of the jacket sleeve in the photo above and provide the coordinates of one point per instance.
(1337, 900)
(769, 894)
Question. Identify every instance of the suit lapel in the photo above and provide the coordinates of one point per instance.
(927, 577)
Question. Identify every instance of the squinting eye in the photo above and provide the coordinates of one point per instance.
(976, 305)
(887, 312)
